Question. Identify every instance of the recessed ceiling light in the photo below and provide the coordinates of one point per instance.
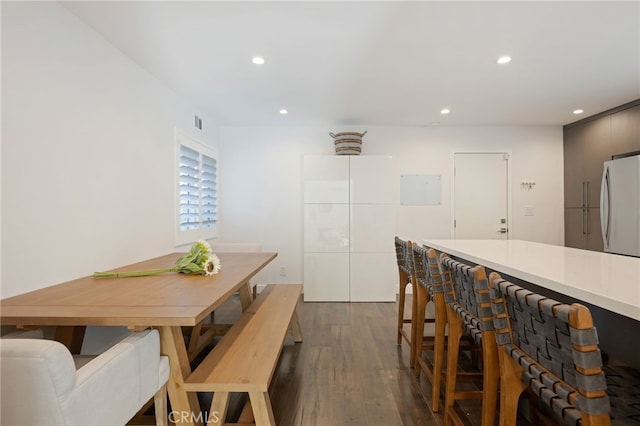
(445, 111)
(284, 112)
(504, 60)
(258, 60)
(578, 111)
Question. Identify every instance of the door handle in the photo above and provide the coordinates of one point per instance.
(584, 221)
(587, 226)
(604, 207)
(503, 230)
(586, 199)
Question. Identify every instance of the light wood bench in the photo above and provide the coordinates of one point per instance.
(246, 357)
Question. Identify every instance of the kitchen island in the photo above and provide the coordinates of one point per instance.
(608, 284)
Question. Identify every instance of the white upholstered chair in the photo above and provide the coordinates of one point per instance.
(41, 386)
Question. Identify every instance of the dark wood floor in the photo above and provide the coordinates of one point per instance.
(349, 370)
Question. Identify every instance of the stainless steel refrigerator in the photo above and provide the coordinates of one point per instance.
(620, 206)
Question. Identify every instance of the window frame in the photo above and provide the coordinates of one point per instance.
(183, 237)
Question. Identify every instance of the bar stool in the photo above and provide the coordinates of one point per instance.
(551, 349)
(404, 274)
(429, 289)
(468, 307)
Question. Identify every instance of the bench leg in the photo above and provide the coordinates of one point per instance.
(262, 411)
(295, 328)
(219, 406)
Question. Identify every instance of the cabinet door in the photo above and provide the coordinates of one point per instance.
(326, 277)
(374, 277)
(373, 180)
(575, 228)
(326, 179)
(373, 227)
(625, 131)
(574, 159)
(326, 228)
(597, 146)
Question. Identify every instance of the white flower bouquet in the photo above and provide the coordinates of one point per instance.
(200, 260)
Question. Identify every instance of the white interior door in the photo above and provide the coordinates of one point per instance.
(480, 196)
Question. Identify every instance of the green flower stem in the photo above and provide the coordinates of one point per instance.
(193, 262)
(133, 273)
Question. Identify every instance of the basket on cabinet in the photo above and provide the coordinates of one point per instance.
(348, 143)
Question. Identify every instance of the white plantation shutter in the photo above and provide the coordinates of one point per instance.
(209, 192)
(197, 215)
(189, 189)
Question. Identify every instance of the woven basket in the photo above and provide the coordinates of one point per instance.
(348, 143)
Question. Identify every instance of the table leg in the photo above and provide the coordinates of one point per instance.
(71, 337)
(185, 408)
(245, 295)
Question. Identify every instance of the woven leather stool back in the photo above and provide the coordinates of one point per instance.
(468, 297)
(402, 255)
(429, 286)
(556, 347)
(466, 293)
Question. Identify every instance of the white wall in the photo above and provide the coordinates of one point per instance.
(87, 151)
(261, 181)
(87, 162)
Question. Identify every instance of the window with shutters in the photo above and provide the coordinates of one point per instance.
(197, 176)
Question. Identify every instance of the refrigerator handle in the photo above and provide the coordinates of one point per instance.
(605, 204)
(583, 197)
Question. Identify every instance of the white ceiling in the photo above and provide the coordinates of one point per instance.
(383, 63)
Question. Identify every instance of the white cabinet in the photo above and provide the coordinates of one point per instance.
(349, 225)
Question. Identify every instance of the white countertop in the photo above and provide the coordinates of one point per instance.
(607, 280)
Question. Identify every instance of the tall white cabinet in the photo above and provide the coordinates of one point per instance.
(349, 225)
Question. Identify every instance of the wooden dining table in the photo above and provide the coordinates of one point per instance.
(166, 302)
